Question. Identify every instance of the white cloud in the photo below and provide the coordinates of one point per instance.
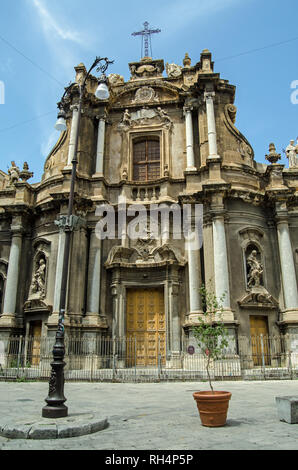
(50, 25)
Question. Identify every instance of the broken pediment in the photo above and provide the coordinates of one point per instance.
(258, 298)
(144, 251)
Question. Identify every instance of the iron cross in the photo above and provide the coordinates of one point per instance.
(146, 35)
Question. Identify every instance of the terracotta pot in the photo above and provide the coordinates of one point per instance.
(213, 407)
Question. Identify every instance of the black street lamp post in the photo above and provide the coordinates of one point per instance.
(55, 407)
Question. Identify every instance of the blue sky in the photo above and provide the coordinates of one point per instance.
(42, 40)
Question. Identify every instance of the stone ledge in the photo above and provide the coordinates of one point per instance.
(73, 425)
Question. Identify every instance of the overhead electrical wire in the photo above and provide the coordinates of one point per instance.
(251, 51)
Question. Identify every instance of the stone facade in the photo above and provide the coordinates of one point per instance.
(250, 213)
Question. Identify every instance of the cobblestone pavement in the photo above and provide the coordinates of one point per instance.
(159, 416)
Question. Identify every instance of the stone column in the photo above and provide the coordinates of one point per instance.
(211, 126)
(189, 139)
(12, 280)
(174, 327)
(192, 246)
(287, 267)
(72, 137)
(221, 269)
(100, 146)
(59, 268)
(94, 282)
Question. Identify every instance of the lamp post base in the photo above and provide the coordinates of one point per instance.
(54, 411)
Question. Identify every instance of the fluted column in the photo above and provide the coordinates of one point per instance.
(189, 139)
(12, 280)
(211, 126)
(73, 130)
(288, 273)
(100, 146)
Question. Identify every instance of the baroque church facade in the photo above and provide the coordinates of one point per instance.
(158, 140)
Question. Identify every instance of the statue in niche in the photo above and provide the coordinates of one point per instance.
(291, 152)
(14, 174)
(255, 270)
(39, 279)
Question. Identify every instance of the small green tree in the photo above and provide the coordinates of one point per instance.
(210, 333)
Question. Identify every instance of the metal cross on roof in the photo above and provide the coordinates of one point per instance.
(146, 36)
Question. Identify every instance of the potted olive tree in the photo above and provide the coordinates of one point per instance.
(212, 338)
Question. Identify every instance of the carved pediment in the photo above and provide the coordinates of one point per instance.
(258, 298)
(37, 305)
(119, 254)
(144, 251)
(133, 93)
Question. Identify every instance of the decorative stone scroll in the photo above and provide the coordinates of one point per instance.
(173, 70)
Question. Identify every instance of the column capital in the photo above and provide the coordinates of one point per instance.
(209, 95)
(74, 107)
(187, 109)
(281, 215)
(17, 226)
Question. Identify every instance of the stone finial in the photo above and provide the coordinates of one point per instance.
(273, 156)
(206, 64)
(25, 174)
(187, 60)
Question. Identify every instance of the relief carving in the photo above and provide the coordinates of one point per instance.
(145, 94)
(173, 70)
(144, 116)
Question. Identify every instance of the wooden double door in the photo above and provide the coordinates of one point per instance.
(260, 340)
(145, 326)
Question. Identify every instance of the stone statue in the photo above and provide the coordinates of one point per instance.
(39, 278)
(164, 116)
(14, 174)
(126, 120)
(254, 276)
(291, 152)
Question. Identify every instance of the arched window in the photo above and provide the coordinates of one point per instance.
(146, 159)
